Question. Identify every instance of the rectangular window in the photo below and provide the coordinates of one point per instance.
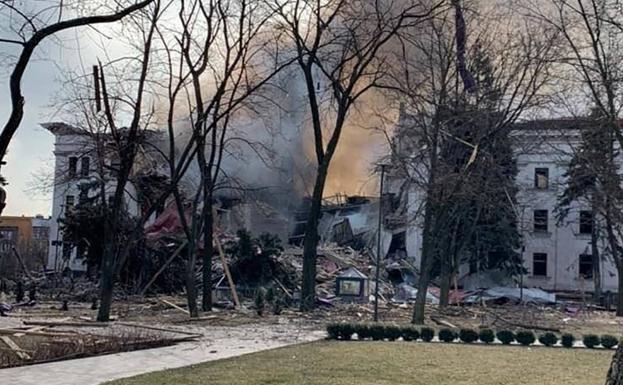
(540, 221)
(85, 166)
(541, 178)
(69, 200)
(586, 266)
(40, 232)
(73, 167)
(586, 222)
(539, 264)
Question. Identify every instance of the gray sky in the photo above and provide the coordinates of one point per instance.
(31, 150)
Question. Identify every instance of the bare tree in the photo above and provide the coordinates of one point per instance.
(214, 65)
(338, 48)
(433, 84)
(28, 30)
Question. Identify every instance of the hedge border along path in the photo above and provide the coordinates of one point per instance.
(393, 332)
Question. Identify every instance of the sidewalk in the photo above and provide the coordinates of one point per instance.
(218, 343)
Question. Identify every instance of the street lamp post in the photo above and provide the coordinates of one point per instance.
(378, 248)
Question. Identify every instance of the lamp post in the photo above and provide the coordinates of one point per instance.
(378, 248)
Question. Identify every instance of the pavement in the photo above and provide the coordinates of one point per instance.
(218, 342)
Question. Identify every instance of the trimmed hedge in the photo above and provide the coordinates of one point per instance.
(392, 332)
(410, 333)
(468, 336)
(377, 332)
(487, 336)
(427, 334)
(525, 337)
(608, 341)
(548, 339)
(591, 341)
(447, 335)
(567, 340)
(505, 336)
(341, 331)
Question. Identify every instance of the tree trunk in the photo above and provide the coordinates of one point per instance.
(615, 373)
(310, 243)
(595, 259)
(107, 282)
(191, 289)
(208, 222)
(425, 266)
(620, 291)
(444, 287)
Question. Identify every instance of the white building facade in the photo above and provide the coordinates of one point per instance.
(557, 254)
(75, 164)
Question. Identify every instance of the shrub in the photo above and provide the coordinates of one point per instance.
(377, 332)
(548, 339)
(447, 335)
(608, 341)
(363, 331)
(392, 332)
(333, 331)
(487, 336)
(341, 331)
(505, 336)
(427, 334)
(409, 333)
(468, 336)
(591, 341)
(567, 340)
(525, 337)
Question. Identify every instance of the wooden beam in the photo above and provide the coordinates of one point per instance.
(73, 324)
(230, 280)
(174, 306)
(16, 349)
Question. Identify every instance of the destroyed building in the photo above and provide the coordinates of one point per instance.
(556, 255)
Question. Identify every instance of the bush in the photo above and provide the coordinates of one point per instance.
(525, 337)
(487, 336)
(505, 336)
(591, 341)
(468, 336)
(392, 332)
(608, 341)
(447, 335)
(427, 334)
(377, 332)
(567, 340)
(548, 339)
(340, 331)
(333, 331)
(409, 333)
(363, 331)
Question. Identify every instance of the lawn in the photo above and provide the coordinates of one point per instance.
(395, 363)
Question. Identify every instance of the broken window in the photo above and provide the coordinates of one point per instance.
(85, 166)
(586, 222)
(540, 221)
(586, 266)
(541, 178)
(73, 167)
(539, 264)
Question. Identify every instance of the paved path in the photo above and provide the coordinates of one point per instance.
(218, 343)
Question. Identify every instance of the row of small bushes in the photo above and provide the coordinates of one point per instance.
(379, 332)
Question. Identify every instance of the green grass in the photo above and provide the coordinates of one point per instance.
(395, 363)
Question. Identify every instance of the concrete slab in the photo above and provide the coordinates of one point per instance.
(219, 342)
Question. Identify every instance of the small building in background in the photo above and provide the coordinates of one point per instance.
(29, 236)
